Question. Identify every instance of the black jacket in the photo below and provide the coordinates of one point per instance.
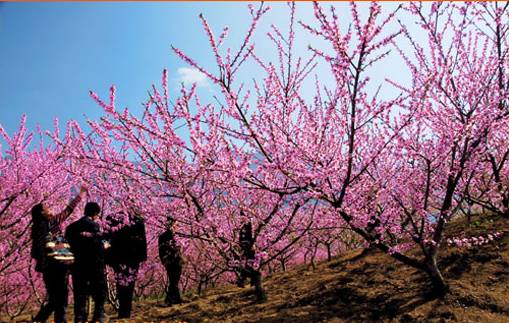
(128, 242)
(169, 251)
(246, 240)
(88, 251)
(41, 230)
(246, 234)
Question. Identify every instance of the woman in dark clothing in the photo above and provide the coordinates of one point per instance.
(55, 275)
(127, 251)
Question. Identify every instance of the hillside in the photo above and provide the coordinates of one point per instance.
(366, 286)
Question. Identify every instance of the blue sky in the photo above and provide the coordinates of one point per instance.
(52, 54)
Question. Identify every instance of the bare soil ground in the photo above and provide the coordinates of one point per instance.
(365, 287)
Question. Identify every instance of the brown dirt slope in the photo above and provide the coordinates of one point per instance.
(368, 287)
(365, 287)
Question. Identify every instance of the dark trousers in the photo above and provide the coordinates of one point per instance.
(88, 282)
(56, 283)
(255, 279)
(247, 271)
(173, 294)
(125, 276)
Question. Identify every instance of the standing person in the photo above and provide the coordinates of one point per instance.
(171, 258)
(246, 242)
(128, 249)
(54, 274)
(88, 272)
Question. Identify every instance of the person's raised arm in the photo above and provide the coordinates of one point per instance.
(60, 217)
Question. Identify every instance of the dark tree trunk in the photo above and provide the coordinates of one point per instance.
(440, 287)
(257, 282)
(469, 213)
(200, 287)
(506, 208)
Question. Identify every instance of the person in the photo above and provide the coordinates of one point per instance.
(246, 243)
(171, 258)
(246, 240)
(128, 249)
(55, 275)
(247, 270)
(88, 271)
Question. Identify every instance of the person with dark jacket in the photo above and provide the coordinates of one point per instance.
(128, 249)
(246, 242)
(171, 258)
(55, 275)
(88, 271)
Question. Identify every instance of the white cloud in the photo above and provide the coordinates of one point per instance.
(189, 76)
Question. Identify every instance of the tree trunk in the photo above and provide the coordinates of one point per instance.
(429, 266)
(506, 209)
(440, 287)
(257, 282)
(329, 253)
(200, 286)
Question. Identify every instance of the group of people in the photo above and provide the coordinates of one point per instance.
(123, 247)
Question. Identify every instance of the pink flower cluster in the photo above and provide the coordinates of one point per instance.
(126, 275)
(470, 242)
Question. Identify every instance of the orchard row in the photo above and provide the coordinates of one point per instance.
(318, 174)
